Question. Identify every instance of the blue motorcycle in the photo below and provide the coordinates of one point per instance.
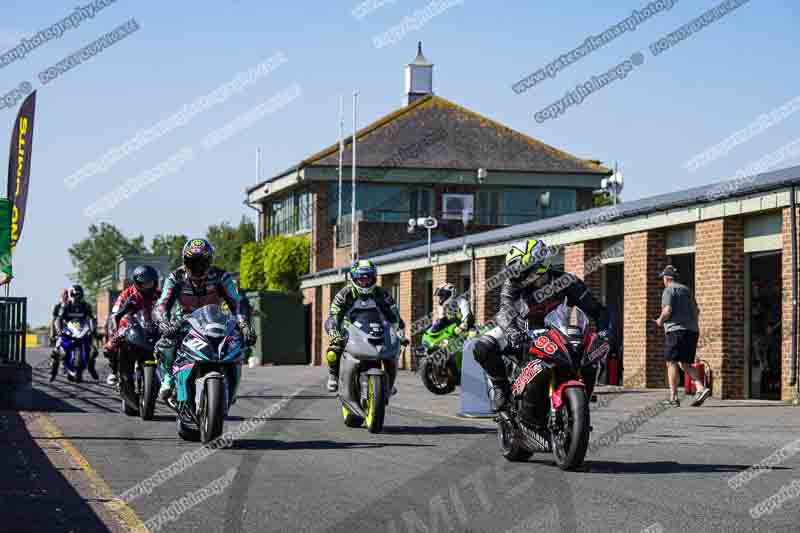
(76, 345)
(207, 371)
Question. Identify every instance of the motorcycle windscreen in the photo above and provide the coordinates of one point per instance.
(570, 321)
(212, 321)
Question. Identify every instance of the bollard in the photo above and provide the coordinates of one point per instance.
(474, 389)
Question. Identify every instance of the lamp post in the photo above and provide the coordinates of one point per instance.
(613, 185)
(428, 223)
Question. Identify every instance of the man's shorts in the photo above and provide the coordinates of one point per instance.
(681, 346)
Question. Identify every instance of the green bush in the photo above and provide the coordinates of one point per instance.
(251, 266)
(275, 263)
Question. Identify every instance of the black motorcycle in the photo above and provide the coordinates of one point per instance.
(551, 387)
(138, 383)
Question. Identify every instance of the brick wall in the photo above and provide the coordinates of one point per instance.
(326, 296)
(312, 296)
(412, 308)
(322, 231)
(576, 257)
(486, 301)
(719, 277)
(645, 256)
(787, 392)
(105, 300)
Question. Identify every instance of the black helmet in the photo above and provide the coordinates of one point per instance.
(145, 278)
(445, 292)
(197, 256)
(76, 293)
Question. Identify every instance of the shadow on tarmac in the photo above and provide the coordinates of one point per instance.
(437, 430)
(659, 467)
(268, 444)
(34, 495)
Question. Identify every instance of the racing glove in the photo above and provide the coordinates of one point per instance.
(517, 339)
(248, 334)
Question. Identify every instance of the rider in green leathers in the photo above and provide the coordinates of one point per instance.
(363, 285)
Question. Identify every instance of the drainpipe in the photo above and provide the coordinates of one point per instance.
(258, 219)
(793, 353)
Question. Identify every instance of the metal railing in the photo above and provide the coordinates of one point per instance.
(13, 320)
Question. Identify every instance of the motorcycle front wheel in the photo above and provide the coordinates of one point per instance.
(571, 440)
(439, 379)
(213, 414)
(376, 403)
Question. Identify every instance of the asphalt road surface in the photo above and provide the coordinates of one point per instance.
(300, 469)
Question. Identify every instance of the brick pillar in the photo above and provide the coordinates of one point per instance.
(442, 274)
(719, 278)
(486, 288)
(578, 260)
(322, 232)
(312, 296)
(326, 296)
(412, 309)
(787, 392)
(645, 256)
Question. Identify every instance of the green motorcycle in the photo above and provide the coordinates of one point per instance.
(439, 359)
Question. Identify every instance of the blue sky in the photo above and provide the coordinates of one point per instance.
(666, 110)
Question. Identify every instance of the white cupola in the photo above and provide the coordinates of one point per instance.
(419, 78)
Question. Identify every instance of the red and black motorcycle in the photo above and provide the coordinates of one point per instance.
(551, 387)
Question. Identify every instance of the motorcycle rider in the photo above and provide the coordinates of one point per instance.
(363, 285)
(194, 285)
(139, 296)
(76, 308)
(530, 292)
(452, 308)
(63, 296)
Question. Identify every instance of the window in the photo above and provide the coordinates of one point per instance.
(381, 203)
(291, 214)
(517, 206)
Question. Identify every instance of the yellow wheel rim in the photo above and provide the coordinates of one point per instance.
(371, 406)
(345, 412)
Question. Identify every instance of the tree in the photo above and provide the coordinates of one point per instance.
(170, 246)
(275, 263)
(95, 257)
(228, 241)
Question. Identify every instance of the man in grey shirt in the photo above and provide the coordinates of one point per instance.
(679, 319)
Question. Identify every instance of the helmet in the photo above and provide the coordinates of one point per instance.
(445, 293)
(364, 276)
(527, 258)
(197, 256)
(76, 293)
(145, 278)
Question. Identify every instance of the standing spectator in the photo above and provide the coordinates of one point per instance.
(679, 318)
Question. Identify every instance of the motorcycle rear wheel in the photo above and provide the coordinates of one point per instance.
(351, 420)
(187, 432)
(509, 447)
(571, 442)
(126, 384)
(376, 407)
(147, 395)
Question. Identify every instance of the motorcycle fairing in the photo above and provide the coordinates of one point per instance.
(556, 400)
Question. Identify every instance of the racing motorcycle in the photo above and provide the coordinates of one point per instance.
(138, 384)
(207, 371)
(549, 407)
(364, 384)
(76, 344)
(439, 359)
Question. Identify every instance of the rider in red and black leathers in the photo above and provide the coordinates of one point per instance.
(140, 296)
(530, 293)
